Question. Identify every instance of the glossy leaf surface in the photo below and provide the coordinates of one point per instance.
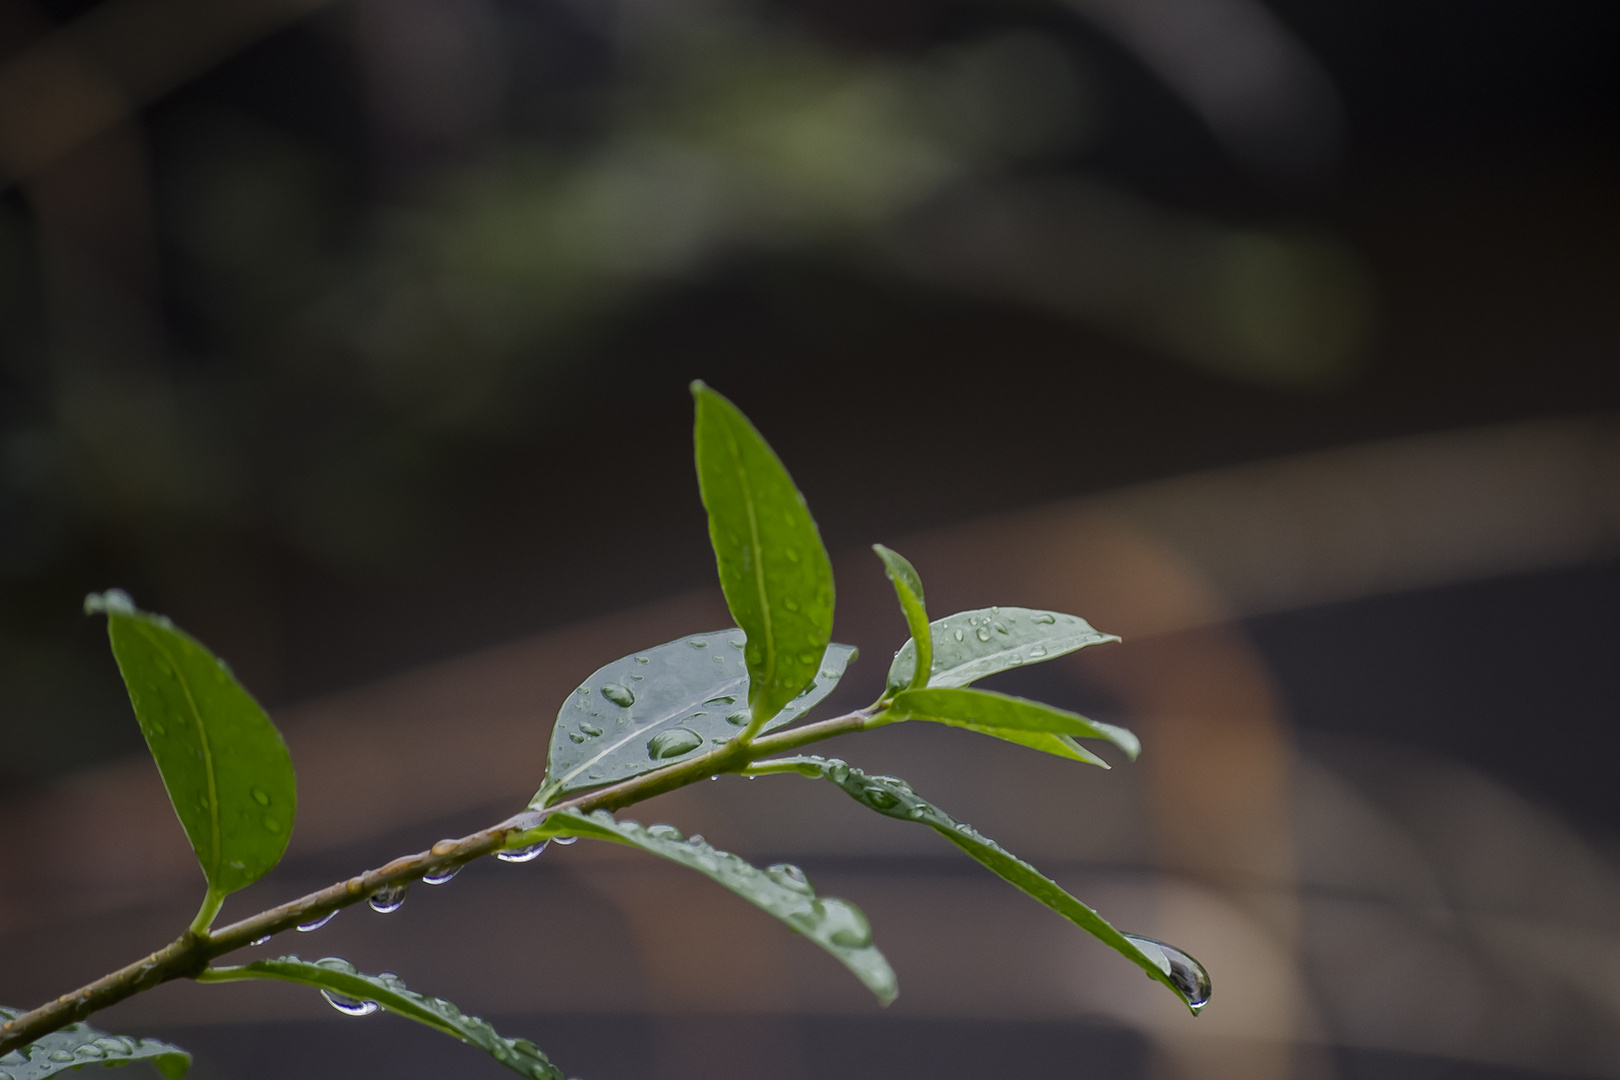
(836, 925)
(78, 1045)
(972, 644)
(223, 762)
(661, 706)
(337, 977)
(909, 591)
(893, 797)
(1002, 716)
(774, 569)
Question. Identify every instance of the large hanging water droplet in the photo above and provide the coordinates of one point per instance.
(522, 854)
(619, 694)
(316, 924)
(843, 922)
(389, 898)
(1187, 974)
(442, 874)
(790, 877)
(673, 743)
(349, 1006)
(564, 841)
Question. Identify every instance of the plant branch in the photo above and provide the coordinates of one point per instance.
(189, 954)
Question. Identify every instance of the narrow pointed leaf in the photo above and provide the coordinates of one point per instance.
(990, 713)
(335, 976)
(658, 707)
(774, 569)
(78, 1045)
(893, 797)
(783, 891)
(972, 644)
(223, 762)
(908, 589)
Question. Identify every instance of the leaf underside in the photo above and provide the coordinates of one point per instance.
(78, 1045)
(340, 977)
(774, 569)
(659, 707)
(894, 798)
(224, 764)
(836, 925)
(972, 644)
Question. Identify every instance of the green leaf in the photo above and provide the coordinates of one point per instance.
(655, 708)
(893, 797)
(223, 762)
(351, 991)
(78, 1045)
(908, 588)
(782, 890)
(1005, 717)
(774, 570)
(972, 644)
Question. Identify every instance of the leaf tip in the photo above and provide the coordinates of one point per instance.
(111, 602)
(698, 387)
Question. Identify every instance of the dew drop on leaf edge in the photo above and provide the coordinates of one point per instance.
(349, 1006)
(1188, 974)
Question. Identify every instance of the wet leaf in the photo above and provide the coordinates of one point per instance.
(78, 1045)
(909, 591)
(655, 708)
(836, 925)
(894, 798)
(336, 976)
(774, 569)
(223, 762)
(1029, 723)
(972, 644)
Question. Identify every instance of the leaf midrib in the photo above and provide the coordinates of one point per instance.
(769, 668)
(207, 748)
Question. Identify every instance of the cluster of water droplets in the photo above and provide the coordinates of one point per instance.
(75, 1045)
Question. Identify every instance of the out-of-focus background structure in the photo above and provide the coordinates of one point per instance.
(1282, 339)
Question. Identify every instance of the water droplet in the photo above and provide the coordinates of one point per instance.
(879, 798)
(697, 643)
(158, 729)
(1014, 659)
(982, 633)
(843, 922)
(237, 864)
(349, 1006)
(564, 841)
(663, 832)
(60, 1055)
(619, 694)
(808, 658)
(271, 825)
(726, 699)
(114, 1045)
(590, 729)
(790, 877)
(90, 1050)
(1036, 652)
(389, 898)
(719, 659)
(261, 797)
(791, 604)
(1045, 618)
(316, 924)
(1188, 974)
(575, 737)
(441, 875)
(737, 644)
(673, 743)
(8, 1076)
(791, 553)
(260, 940)
(522, 854)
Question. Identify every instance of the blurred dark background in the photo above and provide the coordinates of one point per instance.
(355, 336)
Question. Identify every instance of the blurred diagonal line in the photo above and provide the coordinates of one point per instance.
(84, 77)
